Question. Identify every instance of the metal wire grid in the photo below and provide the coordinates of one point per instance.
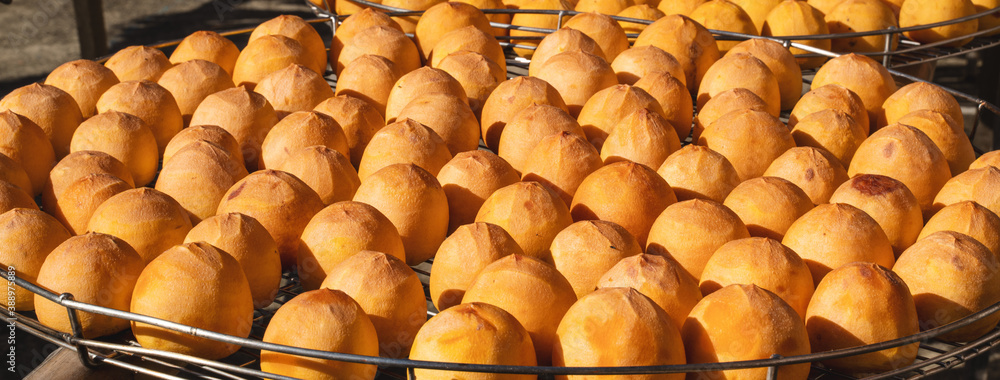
(123, 351)
(934, 355)
(909, 53)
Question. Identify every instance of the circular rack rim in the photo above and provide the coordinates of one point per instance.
(75, 339)
(886, 53)
(395, 11)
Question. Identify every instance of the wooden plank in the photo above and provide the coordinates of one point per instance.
(65, 364)
(90, 28)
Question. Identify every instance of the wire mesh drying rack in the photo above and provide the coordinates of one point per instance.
(122, 350)
(909, 53)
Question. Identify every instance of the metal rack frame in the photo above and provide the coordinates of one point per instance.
(934, 355)
(911, 53)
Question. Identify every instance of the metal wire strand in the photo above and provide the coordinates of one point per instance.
(389, 362)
